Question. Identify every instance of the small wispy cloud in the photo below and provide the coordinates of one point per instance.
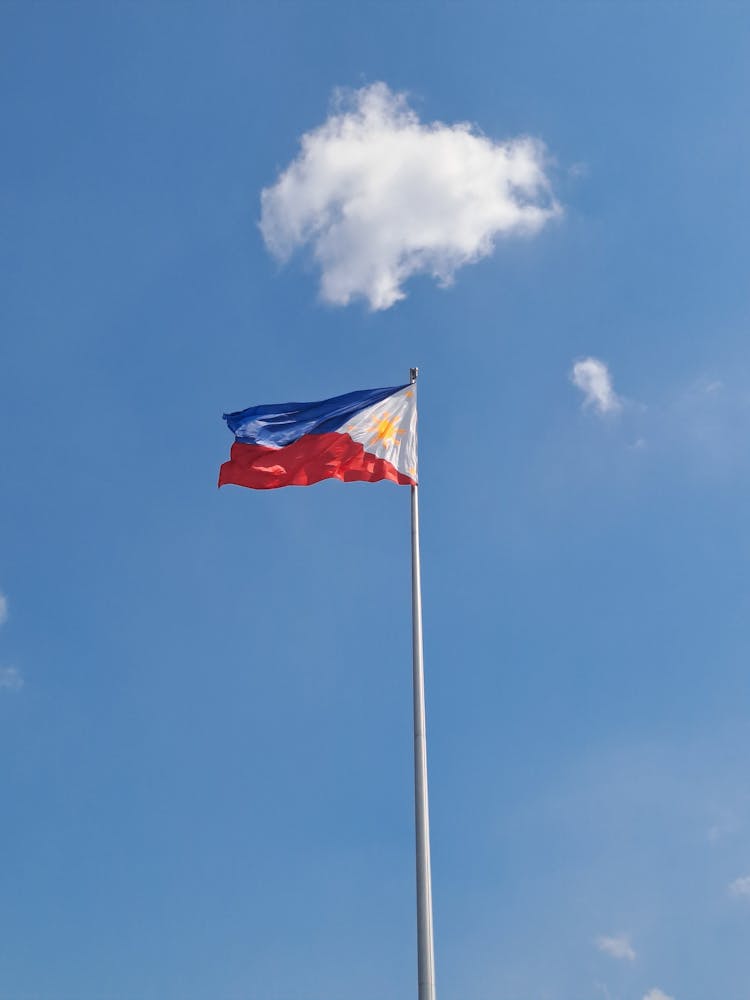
(740, 886)
(616, 946)
(592, 377)
(380, 196)
(656, 994)
(725, 826)
(580, 169)
(11, 679)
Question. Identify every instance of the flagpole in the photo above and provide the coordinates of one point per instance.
(425, 945)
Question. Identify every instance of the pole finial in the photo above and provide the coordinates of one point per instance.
(413, 372)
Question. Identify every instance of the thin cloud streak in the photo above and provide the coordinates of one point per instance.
(617, 946)
(11, 679)
(740, 886)
(380, 196)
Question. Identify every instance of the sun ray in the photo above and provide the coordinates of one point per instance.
(384, 428)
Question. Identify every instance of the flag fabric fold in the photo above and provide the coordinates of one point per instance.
(364, 436)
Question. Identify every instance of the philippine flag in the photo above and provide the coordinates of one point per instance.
(362, 436)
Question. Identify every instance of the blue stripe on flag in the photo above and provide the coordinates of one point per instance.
(278, 424)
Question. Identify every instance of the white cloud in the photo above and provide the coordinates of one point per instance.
(11, 679)
(592, 377)
(656, 994)
(381, 196)
(3, 609)
(740, 886)
(617, 946)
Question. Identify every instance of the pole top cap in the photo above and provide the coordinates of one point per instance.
(413, 372)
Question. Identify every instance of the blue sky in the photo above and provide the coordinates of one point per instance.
(205, 696)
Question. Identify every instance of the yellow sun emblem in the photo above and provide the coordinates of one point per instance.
(385, 428)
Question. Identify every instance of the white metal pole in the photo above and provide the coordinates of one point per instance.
(425, 945)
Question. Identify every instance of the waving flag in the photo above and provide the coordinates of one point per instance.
(362, 436)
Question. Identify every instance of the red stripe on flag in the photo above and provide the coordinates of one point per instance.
(306, 461)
